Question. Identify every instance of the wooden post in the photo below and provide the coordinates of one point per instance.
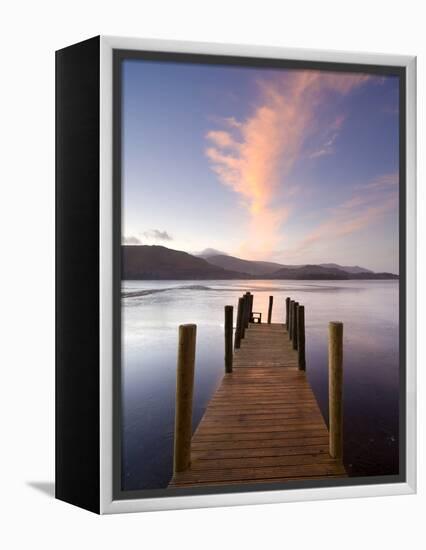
(287, 313)
(243, 317)
(249, 303)
(295, 326)
(291, 321)
(246, 309)
(239, 328)
(335, 388)
(271, 301)
(184, 393)
(301, 336)
(251, 307)
(229, 321)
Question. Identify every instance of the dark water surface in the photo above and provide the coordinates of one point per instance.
(152, 311)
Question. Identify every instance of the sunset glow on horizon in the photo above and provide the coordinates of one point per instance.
(290, 166)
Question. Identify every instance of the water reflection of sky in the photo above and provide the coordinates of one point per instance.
(369, 310)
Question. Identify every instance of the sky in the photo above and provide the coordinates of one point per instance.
(292, 166)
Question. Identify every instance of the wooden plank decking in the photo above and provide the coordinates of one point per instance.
(263, 424)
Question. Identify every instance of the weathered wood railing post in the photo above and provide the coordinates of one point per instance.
(251, 307)
(184, 393)
(290, 323)
(287, 312)
(229, 322)
(243, 317)
(246, 309)
(239, 327)
(271, 301)
(301, 337)
(295, 326)
(335, 388)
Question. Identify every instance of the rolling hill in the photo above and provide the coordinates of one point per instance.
(348, 268)
(245, 266)
(160, 262)
(265, 269)
(318, 272)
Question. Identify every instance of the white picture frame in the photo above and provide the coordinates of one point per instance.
(108, 504)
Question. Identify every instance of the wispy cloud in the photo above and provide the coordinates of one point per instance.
(221, 139)
(364, 208)
(255, 156)
(131, 240)
(331, 134)
(382, 182)
(232, 122)
(157, 235)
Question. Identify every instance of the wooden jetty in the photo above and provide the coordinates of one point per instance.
(263, 424)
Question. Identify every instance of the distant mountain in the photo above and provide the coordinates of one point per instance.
(245, 266)
(348, 268)
(318, 272)
(159, 262)
(208, 252)
(267, 268)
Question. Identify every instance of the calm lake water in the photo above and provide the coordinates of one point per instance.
(369, 310)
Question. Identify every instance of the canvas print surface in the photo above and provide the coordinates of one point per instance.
(280, 183)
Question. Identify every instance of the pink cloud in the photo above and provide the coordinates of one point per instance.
(255, 156)
(382, 182)
(359, 212)
(337, 124)
(220, 139)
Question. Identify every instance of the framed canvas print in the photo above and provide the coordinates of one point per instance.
(235, 275)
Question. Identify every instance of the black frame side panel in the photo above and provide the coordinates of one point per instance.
(77, 274)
